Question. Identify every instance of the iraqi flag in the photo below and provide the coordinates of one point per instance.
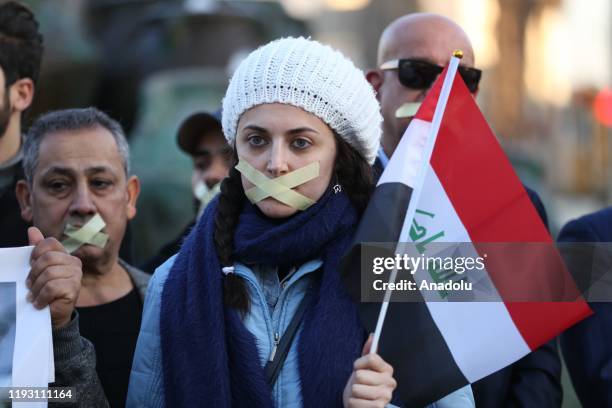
(450, 181)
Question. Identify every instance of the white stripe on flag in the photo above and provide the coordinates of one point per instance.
(481, 335)
(420, 177)
(410, 154)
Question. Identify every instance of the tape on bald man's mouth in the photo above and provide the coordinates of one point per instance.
(280, 187)
(90, 233)
(407, 110)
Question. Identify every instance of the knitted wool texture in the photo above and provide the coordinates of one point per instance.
(311, 76)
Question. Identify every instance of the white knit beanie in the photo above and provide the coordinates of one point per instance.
(311, 76)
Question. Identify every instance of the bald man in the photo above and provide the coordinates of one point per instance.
(423, 42)
(411, 52)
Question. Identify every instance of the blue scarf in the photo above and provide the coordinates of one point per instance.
(209, 357)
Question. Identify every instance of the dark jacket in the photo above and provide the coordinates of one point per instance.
(75, 366)
(534, 380)
(587, 346)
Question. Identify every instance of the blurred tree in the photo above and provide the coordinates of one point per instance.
(70, 61)
(507, 117)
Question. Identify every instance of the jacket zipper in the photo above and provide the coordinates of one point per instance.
(276, 341)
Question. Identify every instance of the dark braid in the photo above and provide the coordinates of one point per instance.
(354, 175)
(231, 202)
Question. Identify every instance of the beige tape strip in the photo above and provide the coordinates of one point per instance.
(279, 187)
(287, 181)
(205, 195)
(407, 110)
(87, 234)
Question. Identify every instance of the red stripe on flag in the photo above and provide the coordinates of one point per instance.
(493, 206)
(428, 107)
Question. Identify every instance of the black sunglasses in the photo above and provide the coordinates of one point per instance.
(419, 74)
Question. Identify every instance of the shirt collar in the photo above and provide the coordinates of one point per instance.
(382, 156)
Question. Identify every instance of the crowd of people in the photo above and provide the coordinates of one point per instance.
(256, 272)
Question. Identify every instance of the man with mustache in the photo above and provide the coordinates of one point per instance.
(77, 189)
(412, 52)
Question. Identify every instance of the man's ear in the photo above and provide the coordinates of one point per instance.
(22, 94)
(375, 78)
(24, 197)
(133, 190)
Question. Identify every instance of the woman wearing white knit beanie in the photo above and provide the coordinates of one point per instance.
(252, 311)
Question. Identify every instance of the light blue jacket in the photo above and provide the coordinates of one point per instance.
(273, 303)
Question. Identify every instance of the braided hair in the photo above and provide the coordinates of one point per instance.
(353, 173)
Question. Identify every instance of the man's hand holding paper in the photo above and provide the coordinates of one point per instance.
(55, 277)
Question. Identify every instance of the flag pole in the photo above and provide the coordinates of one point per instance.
(414, 199)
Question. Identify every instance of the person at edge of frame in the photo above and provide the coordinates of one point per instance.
(412, 52)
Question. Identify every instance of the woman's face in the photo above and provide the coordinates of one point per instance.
(277, 139)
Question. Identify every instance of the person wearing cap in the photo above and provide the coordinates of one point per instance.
(412, 52)
(201, 137)
(252, 310)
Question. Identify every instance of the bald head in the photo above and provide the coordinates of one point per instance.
(426, 36)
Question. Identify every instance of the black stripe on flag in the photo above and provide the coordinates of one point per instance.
(412, 343)
(424, 366)
(382, 221)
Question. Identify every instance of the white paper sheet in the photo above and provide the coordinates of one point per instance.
(33, 347)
